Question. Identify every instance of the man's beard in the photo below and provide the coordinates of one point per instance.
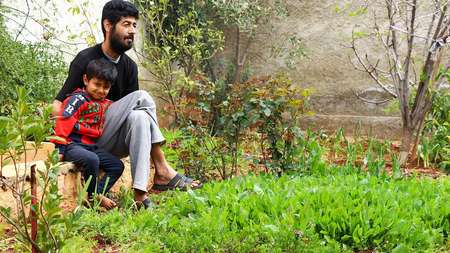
(118, 44)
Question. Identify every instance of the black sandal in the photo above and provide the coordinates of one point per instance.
(146, 204)
(182, 183)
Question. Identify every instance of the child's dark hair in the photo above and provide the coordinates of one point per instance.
(116, 9)
(102, 69)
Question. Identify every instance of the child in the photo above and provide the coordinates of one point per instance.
(80, 123)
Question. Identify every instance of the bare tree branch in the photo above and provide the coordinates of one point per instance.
(371, 101)
(24, 22)
(87, 20)
(39, 23)
(409, 33)
(430, 28)
(370, 69)
(405, 82)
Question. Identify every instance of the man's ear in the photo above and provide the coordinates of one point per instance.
(85, 80)
(107, 25)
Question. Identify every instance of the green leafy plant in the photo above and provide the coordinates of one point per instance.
(33, 67)
(435, 145)
(206, 157)
(269, 106)
(332, 212)
(179, 40)
(278, 106)
(52, 226)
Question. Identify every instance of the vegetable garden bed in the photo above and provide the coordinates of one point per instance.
(338, 212)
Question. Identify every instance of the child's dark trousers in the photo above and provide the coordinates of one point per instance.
(92, 158)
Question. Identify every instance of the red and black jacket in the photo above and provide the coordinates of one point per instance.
(80, 120)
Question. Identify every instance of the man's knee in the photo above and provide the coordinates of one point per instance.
(138, 117)
(143, 95)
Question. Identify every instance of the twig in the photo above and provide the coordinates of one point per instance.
(409, 33)
(430, 28)
(87, 20)
(371, 70)
(39, 23)
(376, 102)
(41, 213)
(25, 22)
(53, 46)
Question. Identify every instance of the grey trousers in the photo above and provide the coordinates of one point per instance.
(131, 127)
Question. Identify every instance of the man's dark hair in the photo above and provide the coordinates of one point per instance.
(102, 69)
(114, 10)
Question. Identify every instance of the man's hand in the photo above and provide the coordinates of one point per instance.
(56, 108)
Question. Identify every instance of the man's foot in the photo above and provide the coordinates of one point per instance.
(146, 204)
(139, 195)
(178, 182)
(106, 202)
(164, 173)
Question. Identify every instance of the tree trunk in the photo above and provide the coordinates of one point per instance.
(417, 139)
(405, 148)
(237, 61)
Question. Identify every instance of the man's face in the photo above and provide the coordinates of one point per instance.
(122, 34)
(98, 89)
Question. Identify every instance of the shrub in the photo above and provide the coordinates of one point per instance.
(34, 67)
(435, 144)
(269, 106)
(179, 40)
(53, 227)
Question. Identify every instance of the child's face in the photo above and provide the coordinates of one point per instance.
(96, 88)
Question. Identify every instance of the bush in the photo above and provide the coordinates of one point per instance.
(53, 226)
(34, 67)
(233, 113)
(179, 41)
(435, 144)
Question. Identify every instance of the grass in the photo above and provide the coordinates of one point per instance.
(332, 212)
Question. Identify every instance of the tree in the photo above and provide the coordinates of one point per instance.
(178, 40)
(405, 31)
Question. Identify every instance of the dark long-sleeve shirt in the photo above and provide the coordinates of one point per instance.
(126, 82)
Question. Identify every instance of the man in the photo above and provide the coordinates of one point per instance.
(131, 126)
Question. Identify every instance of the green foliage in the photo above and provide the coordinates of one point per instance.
(78, 244)
(219, 117)
(33, 67)
(435, 144)
(244, 21)
(278, 106)
(181, 38)
(53, 227)
(207, 157)
(329, 212)
(178, 36)
(247, 15)
(197, 153)
(352, 10)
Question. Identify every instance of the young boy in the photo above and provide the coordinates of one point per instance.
(80, 123)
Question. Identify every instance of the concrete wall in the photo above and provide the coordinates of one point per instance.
(326, 67)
